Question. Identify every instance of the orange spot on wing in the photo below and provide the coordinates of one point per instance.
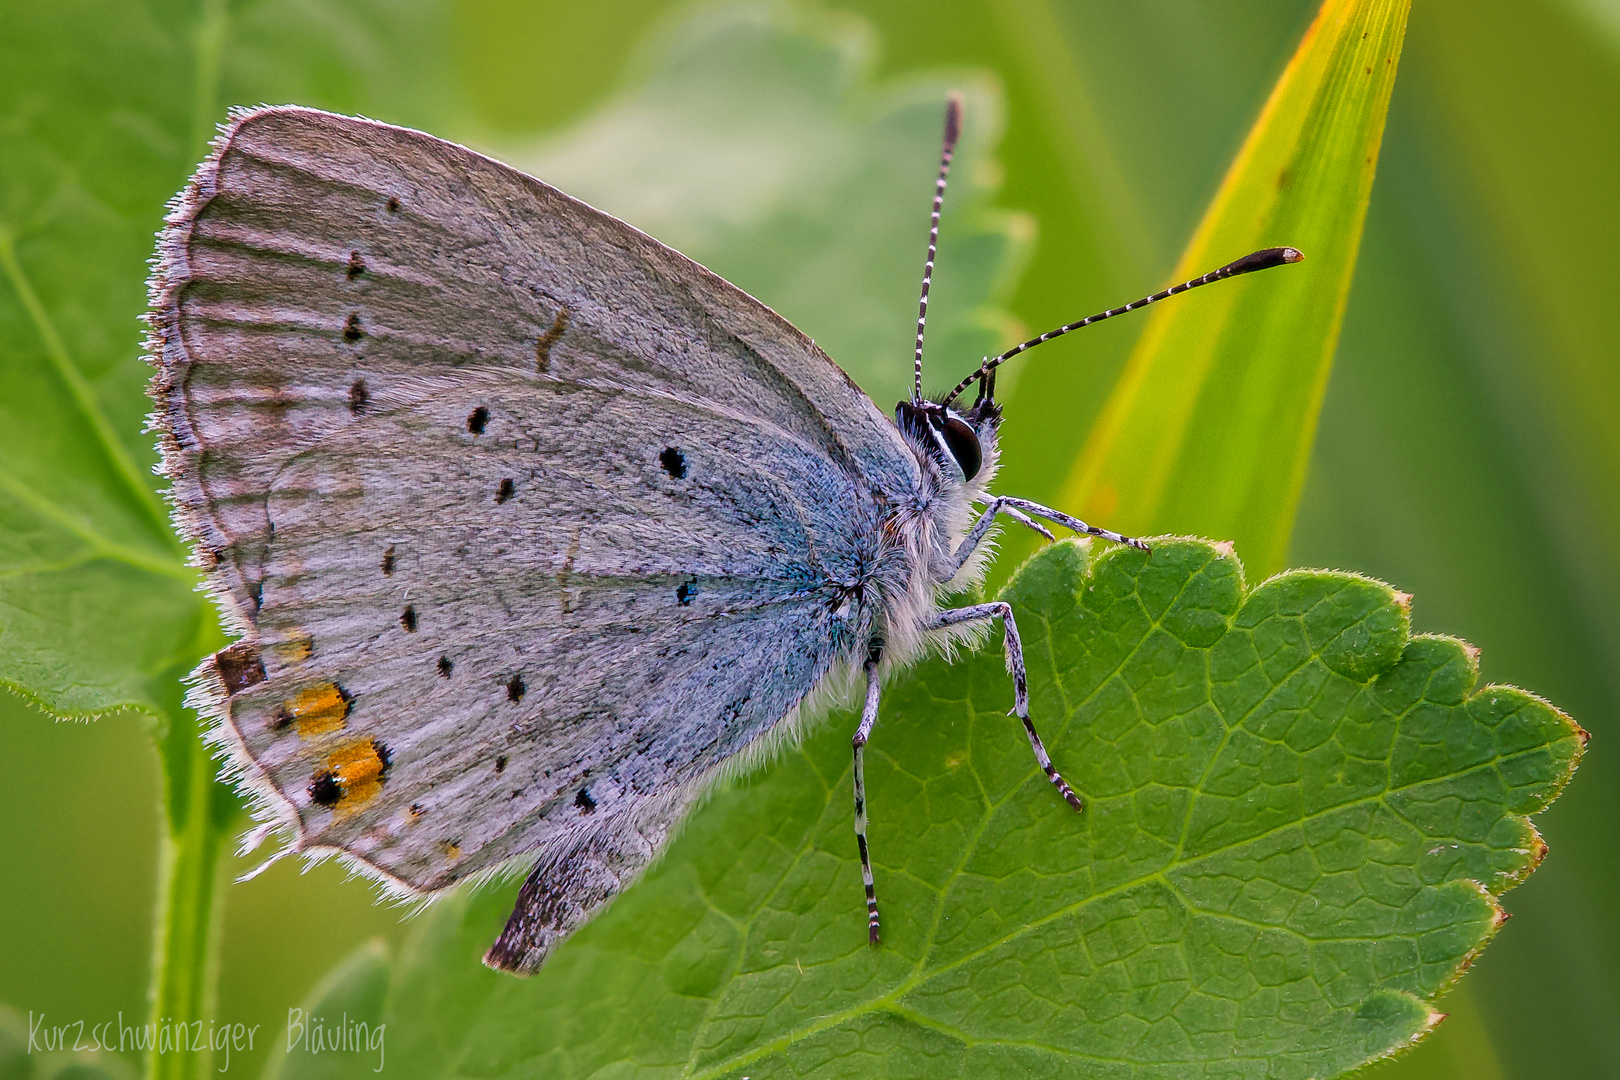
(318, 710)
(359, 767)
(294, 649)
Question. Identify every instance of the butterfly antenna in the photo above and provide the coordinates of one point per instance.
(953, 128)
(1260, 260)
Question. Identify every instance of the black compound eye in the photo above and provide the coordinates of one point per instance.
(963, 445)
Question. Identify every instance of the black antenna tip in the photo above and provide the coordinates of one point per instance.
(953, 121)
(1262, 260)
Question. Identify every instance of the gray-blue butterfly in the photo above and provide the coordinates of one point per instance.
(529, 525)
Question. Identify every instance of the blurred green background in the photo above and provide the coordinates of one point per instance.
(1468, 450)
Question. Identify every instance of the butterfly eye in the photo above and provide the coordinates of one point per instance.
(963, 444)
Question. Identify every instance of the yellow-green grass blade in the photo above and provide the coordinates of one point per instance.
(1210, 428)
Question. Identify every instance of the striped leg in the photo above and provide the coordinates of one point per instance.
(987, 518)
(1025, 512)
(1015, 665)
(1006, 504)
(868, 717)
(1073, 524)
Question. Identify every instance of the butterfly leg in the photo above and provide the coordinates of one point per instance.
(981, 528)
(1058, 517)
(869, 713)
(1015, 666)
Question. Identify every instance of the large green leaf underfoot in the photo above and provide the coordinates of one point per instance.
(1299, 818)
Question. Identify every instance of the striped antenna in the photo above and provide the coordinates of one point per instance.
(1260, 260)
(953, 128)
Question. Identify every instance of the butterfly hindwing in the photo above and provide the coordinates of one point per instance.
(538, 623)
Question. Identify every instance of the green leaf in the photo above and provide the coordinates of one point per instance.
(96, 604)
(1298, 819)
(1210, 428)
(752, 140)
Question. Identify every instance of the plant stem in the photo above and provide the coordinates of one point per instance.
(185, 957)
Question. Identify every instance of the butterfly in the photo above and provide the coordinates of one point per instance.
(529, 526)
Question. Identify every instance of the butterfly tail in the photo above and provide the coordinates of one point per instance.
(561, 894)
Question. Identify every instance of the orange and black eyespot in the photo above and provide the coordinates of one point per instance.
(325, 789)
(352, 775)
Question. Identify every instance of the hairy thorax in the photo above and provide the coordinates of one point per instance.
(924, 533)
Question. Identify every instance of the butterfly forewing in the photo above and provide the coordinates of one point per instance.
(320, 261)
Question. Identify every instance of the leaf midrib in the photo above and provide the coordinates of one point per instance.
(889, 1001)
(79, 390)
(99, 546)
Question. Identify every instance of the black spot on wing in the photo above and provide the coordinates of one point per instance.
(407, 619)
(477, 419)
(504, 492)
(325, 789)
(515, 688)
(674, 462)
(446, 666)
(352, 331)
(584, 801)
(685, 591)
(357, 265)
(388, 561)
(359, 397)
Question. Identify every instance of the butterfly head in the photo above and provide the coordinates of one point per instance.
(960, 443)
